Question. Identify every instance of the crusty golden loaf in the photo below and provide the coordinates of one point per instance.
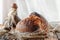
(33, 23)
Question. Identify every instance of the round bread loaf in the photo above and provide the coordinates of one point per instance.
(33, 23)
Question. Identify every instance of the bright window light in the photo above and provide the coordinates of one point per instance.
(1, 8)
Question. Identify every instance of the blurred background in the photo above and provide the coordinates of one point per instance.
(50, 9)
